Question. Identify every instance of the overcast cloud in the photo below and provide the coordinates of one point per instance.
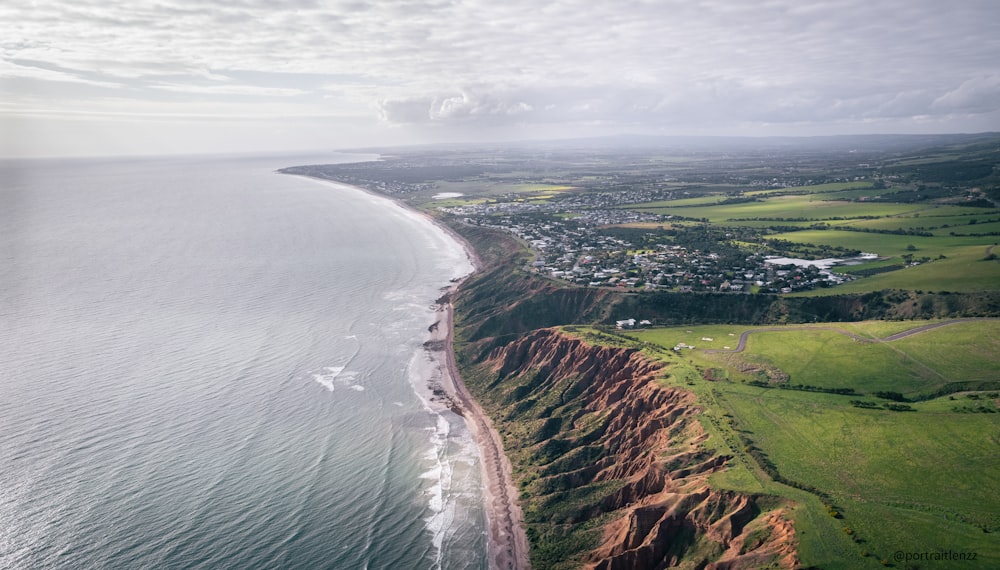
(99, 76)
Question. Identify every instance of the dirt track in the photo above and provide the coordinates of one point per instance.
(743, 337)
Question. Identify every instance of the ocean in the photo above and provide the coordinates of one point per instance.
(207, 364)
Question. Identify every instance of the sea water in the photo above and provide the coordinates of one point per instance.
(207, 364)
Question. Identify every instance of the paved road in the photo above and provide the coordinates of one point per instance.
(743, 337)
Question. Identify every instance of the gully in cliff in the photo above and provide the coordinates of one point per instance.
(611, 462)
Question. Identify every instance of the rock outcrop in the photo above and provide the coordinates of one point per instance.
(612, 464)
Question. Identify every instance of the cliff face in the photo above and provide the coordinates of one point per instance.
(502, 300)
(611, 463)
(527, 303)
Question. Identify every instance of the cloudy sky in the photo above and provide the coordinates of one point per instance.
(174, 76)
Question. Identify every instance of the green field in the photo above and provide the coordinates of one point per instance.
(808, 206)
(979, 228)
(963, 269)
(952, 236)
(817, 207)
(830, 188)
(921, 480)
(884, 244)
(901, 480)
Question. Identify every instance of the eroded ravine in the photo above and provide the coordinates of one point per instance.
(612, 464)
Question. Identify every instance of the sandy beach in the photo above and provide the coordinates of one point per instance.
(508, 543)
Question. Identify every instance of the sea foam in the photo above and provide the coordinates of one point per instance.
(331, 375)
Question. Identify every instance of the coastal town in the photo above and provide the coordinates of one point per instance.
(581, 254)
(584, 230)
(576, 241)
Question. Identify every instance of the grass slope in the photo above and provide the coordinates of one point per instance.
(916, 481)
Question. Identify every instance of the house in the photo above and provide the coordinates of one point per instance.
(625, 324)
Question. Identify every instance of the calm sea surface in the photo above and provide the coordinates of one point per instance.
(205, 364)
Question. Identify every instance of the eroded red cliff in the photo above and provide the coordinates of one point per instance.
(610, 457)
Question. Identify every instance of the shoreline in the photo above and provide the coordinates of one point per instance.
(507, 543)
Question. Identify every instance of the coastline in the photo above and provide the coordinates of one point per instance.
(507, 542)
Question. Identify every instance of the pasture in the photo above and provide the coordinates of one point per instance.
(952, 236)
(898, 480)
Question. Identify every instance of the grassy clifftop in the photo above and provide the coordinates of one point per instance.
(630, 455)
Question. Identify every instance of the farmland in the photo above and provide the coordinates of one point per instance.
(898, 480)
(942, 246)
